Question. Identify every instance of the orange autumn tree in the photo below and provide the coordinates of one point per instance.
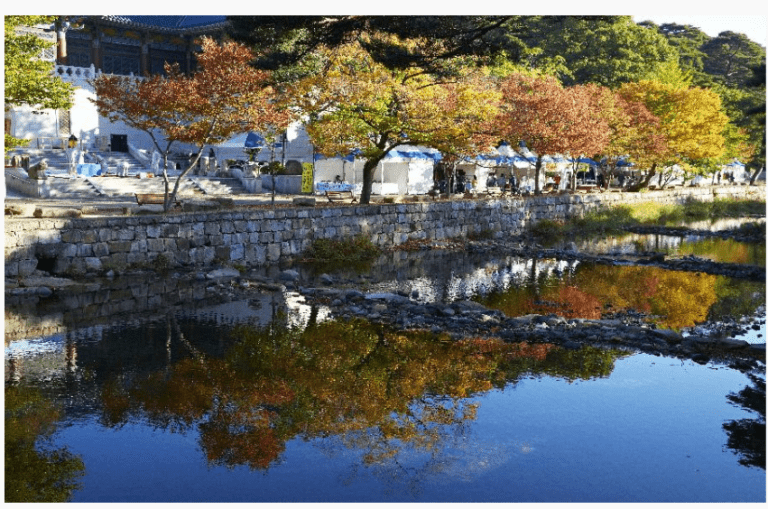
(633, 131)
(225, 96)
(358, 105)
(549, 118)
(143, 104)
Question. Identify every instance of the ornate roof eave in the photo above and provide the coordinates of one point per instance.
(124, 22)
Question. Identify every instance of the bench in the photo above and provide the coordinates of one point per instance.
(340, 196)
(155, 199)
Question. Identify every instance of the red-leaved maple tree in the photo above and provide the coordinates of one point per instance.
(549, 118)
(225, 96)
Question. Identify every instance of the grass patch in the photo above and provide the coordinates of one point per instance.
(548, 231)
(347, 250)
(613, 220)
(722, 208)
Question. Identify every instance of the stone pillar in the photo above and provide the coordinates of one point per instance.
(144, 58)
(61, 43)
(96, 56)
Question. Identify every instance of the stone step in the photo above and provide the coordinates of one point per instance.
(128, 186)
(220, 186)
(57, 159)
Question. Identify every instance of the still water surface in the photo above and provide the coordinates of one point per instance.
(637, 428)
(194, 406)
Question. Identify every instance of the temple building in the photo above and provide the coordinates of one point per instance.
(138, 45)
(87, 46)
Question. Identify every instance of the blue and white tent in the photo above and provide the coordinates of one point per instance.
(502, 156)
(235, 147)
(408, 152)
(297, 146)
(585, 160)
(736, 171)
(407, 169)
(254, 141)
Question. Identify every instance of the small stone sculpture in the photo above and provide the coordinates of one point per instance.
(37, 171)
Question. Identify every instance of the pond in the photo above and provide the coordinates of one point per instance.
(163, 391)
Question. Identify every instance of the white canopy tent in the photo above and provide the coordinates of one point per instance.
(407, 169)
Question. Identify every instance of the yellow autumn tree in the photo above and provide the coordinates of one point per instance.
(358, 105)
(692, 122)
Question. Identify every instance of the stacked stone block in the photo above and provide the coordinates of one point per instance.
(254, 237)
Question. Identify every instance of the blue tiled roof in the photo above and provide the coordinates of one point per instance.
(171, 22)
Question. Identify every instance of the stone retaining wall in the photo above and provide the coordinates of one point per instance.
(252, 237)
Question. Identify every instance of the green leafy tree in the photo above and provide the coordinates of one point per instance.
(286, 41)
(29, 80)
(727, 64)
(688, 41)
(745, 107)
(730, 58)
(608, 50)
(756, 115)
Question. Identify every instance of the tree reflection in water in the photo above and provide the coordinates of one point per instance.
(675, 299)
(34, 472)
(747, 436)
(385, 392)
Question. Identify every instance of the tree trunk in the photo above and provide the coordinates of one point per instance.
(451, 180)
(172, 198)
(368, 169)
(536, 189)
(574, 171)
(644, 182)
(754, 176)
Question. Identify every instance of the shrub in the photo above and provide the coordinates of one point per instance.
(547, 228)
(274, 168)
(353, 249)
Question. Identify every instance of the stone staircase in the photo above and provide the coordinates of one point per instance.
(129, 186)
(215, 186)
(189, 186)
(72, 188)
